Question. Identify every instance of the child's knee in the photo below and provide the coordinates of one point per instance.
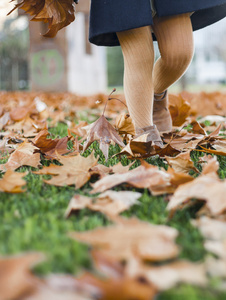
(178, 56)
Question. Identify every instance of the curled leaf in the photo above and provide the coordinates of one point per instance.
(57, 13)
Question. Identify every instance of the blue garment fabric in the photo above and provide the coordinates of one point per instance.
(110, 16)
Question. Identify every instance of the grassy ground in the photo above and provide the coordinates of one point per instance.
(34, 221)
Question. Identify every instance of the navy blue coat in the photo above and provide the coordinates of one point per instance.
(110, 16)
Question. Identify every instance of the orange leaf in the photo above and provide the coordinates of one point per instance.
(12, 182)
(23, 156)
(57, 13)
(179, 109)
(16, 280)
(49, 146)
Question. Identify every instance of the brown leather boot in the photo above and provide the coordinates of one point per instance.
(161, 115)
(150, 133)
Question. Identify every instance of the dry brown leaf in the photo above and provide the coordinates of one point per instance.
(110, 202)
(207, 187)
(5, 148)
(217, 247)
(131, 237)
(182, 163)
(74, 170)
(182, 141)
(23, 156)
(216, 267)
(140, 177)
(78, 129)
(120, 288)
(211, 228)
(140, 149)
(102, 170)
(16, 280)
(4, 120)
(58, 287)
(159, 182)
(124, 124)
(212, 137)
(171, 183)
(12, 182)
(57, 14)
(185, 141)
(120, 169)
(19, 113)
(214, 231)
(179, 109)
(211, 166)
(197, 128)
(221, 151)
(167, 276)
(104, 132)
(203, 104)
(27, 127)
(48, 146)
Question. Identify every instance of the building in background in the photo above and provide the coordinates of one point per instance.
(87, 65)
(67, 62)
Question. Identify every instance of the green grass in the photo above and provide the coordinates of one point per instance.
(34, 221)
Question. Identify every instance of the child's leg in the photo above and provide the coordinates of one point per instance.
(138, 52)
(175, 41)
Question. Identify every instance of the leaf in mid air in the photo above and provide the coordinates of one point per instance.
(179, 109)
(57, 13)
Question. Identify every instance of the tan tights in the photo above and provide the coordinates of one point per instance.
(143, 78)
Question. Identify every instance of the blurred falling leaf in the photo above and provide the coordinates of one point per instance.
(57, 13)
(179, 109)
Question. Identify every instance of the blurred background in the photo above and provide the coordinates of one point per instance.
(69, 62)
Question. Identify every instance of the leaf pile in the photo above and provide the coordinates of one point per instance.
(133, 259)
